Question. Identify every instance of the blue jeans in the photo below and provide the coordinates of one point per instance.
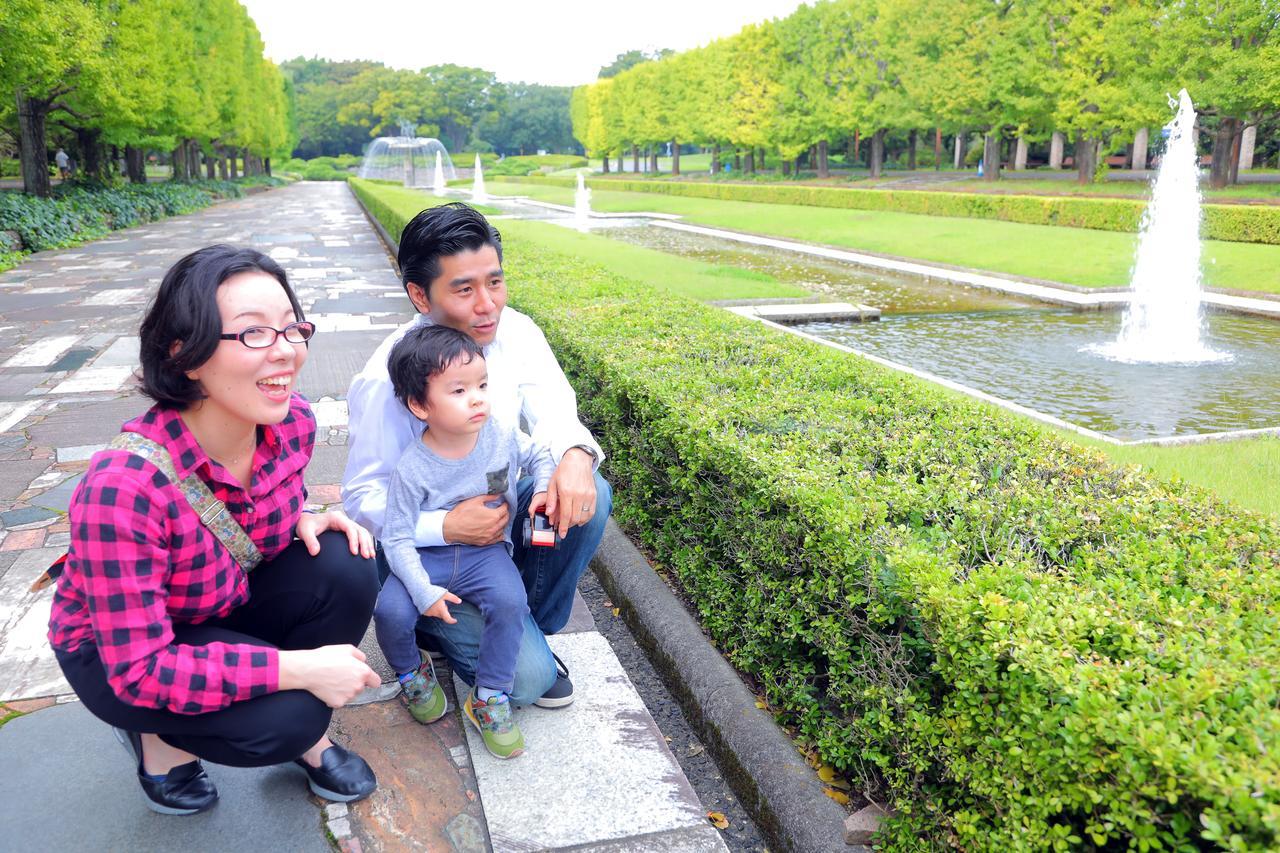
(550, 578)
(483, 576)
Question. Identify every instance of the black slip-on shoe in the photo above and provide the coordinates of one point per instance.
(186, 789)
(342, 776)
(561, 693)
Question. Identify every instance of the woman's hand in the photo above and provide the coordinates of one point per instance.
(333, 674)
(312, 524)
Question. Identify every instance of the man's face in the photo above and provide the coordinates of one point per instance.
(468, 295)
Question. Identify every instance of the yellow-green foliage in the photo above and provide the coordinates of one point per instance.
(1233, 222)
(1031, 648)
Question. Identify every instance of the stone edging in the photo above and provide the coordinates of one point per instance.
(780, 791)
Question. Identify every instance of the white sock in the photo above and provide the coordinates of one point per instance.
(484, 693)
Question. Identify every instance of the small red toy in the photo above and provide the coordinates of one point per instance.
(538, 531)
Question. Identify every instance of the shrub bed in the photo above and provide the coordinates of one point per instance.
(79, 212)
(1031, 648)
(1234, 222)
(531, 164)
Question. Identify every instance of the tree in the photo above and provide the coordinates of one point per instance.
(460, 97)
(631, 59)
(530, 118)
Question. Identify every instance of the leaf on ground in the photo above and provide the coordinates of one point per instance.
(718, 820)
(617, 611)
(826, 773)
(839, 796)
(760, 704)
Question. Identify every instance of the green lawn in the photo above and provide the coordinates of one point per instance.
(1069, 255)
(684, 276)
(1246, 472)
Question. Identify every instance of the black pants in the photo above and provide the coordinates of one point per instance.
(296, 601)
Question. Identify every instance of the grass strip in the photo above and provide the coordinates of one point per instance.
(1077, 256)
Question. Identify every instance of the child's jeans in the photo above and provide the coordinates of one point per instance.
(481, 575)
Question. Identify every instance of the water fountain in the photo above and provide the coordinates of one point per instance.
(407, 159)
(437, 181)
(478, 194)
(582, 203)
(1164, 320)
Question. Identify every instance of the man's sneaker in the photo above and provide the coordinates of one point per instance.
(561, 693)
(492, 719)
(423, 695)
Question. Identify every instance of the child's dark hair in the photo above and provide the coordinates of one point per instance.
(425, 351)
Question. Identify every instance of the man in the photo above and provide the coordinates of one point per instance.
(64, 164)
(451, 264)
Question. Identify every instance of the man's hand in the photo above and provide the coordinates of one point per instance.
(473, 523)
(571, 496)
(440, 610)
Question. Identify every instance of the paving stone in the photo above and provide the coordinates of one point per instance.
(420, 791)
(14, 477)
(25, 515)
(59, 497)
(326, 466)
(622, 783)
(101, 808)
(27, 664)
(74, 359)
(27, 706)
(22, 540)
(336, 357)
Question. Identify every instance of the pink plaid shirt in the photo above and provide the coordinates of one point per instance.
(140, 560)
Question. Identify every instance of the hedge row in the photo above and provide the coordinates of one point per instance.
(79, 212)
(1234, 222)
(1031, 648)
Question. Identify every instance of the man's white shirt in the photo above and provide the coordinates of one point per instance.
(526, 386)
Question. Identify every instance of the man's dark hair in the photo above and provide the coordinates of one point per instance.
(424, 352)
(438, 232)
(186, 309)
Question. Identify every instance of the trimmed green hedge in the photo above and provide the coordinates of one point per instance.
(1234, 222)
(1031, 648)
(531, 164)
(79, 212)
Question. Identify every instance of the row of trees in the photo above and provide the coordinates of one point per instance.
(342, 105)
(182, 75)
(841, 69)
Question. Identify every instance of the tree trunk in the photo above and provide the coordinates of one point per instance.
(266, 166)
(1020, 155)
(1234, 177)
(620, 154)
(824, 167)
(604, 164)
(991, 156)
(1056, 143)
(715, 159)
(653, 158)
(911, 150)
(675, 157)
(762, 159)
(854, 154)
(786, 168)
(635, 158)
(737, 161)
(135, 164)
(877, 152)
(232, 153)
(178, 159)
(31, 146)
(937, 148)
(749, 162)
(1220, 169)
(961, 144)
(210, 166)
(90, 153)
(222, 164)
(1086, 158)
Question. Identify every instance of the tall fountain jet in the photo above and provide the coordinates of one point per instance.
(437, 183)
(1163, 322)
(582, 203)
(478, 194)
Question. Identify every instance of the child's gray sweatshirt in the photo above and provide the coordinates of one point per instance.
(423, 480)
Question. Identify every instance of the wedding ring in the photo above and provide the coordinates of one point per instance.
(586, 508)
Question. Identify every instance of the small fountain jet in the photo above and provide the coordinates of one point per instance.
(1163, 322)
(478, 194)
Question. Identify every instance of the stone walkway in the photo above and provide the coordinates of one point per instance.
(597, 776)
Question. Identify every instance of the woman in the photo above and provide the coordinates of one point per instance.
(157, 627)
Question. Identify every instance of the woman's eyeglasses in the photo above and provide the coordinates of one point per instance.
(261, 337)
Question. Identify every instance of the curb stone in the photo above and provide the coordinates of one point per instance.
(771, 779)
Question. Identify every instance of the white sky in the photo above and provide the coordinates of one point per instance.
(556, 42)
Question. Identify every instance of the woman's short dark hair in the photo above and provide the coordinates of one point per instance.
(186, 310)
(425, 351)
(438, 232)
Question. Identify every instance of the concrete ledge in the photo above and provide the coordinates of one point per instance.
(810, 312)
(771, 779)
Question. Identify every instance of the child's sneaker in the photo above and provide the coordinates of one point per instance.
(423, 695)
(492, 719)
